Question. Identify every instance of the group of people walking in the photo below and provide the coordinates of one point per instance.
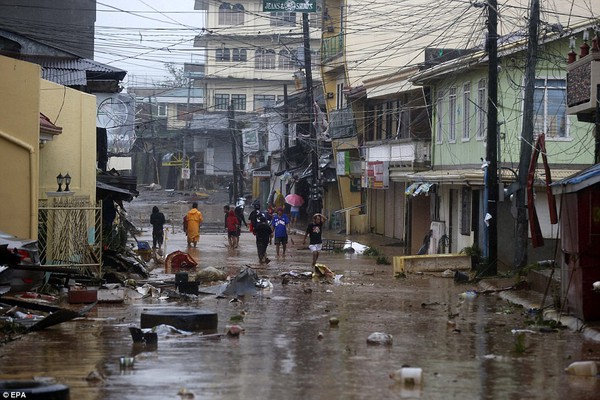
(265, 229)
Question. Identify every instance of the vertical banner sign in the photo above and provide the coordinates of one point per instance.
(342, 164)
(303, 6)
(378, 175)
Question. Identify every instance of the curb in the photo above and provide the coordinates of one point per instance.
(573, 323)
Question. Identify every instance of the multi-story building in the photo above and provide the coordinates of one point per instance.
(249, 55)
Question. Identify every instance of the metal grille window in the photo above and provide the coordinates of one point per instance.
(283, 18)
(265, 59)
(481, 108)
(263, 100)
(239, 55)
(231, 14)
(550, 110)
(239, 102)
(223, 54)
(466, 111)
(221, 101)
(452, 115)
(287, 59)
(438, 116)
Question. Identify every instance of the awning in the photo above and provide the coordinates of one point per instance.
(418, 188)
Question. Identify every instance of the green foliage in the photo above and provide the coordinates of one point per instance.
(383, 260)
(520, 343)
(371, 251)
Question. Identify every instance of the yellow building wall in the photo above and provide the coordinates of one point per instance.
(19, 146)
(74, 150)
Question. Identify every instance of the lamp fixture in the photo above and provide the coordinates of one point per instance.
(60, 179)
(67, 182)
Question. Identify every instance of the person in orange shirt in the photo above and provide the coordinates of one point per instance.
(193, 221)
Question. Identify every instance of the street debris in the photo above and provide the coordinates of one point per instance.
(322, 271)
(334, 322)
(210, 274)
(380, 338)
(355, 246)
(234, 330)
(408, 376)
(583, 368)
(179, 260)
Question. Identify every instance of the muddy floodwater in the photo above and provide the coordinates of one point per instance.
(464, 345)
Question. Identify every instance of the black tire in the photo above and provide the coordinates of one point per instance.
(34, 390)
(187, 320)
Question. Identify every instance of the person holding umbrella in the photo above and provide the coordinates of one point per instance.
(295, 201)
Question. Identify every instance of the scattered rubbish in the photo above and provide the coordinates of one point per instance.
(596, 286)
(357, 247)
(582, 368)
(322, 271)
(337, 279)
(380, 338)
(461, 277)
(81, 294)
(408, 376)
(469, 294)
(518, 331)
(210, 274)
(182, 319)
(448, 273)
(95, 376)
(264, 284)
(111, 293)
(234, 330)
(179, 260)
(320, 335)
(148, 290)
(185, 394)
(242, 284)
(143, 336)
(334, 321)
(126, 362)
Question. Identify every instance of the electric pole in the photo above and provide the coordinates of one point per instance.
(522, 227)
(492, 140)
(314, 204)
(231, 120)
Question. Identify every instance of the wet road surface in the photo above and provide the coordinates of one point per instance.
(290, 351)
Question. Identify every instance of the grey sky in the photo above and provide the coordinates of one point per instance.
(140, 36)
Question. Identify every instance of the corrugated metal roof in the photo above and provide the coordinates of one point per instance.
(578, 181)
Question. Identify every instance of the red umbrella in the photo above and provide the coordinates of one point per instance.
(294, 200)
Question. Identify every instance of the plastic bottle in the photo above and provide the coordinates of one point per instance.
(583, 368)
(408, 376)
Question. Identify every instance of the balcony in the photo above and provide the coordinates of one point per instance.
(412, 154)
(341, 123)
(332, 47)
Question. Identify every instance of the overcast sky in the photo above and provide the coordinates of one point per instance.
(140, 36)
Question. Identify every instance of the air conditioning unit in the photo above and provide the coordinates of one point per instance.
(330, 95)
(438, 230)
(330, 29)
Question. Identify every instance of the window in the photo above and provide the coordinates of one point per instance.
(339, 96)
(283, 18)
(161, 110)
(221, 101)
(465, 211)
(265, 59)
(239, 102)
(239, 55)
(287, 59)
(452, 115)
(231, 14)
(438, 117)
(222, 54)
(466, 110)
(481, 108)
(263, 100)
(550, 112)
(186, 111)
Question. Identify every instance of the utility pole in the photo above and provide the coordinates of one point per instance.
(314, 204)
(521, 238)
(231, 118)
(286, 127)
(492, 139)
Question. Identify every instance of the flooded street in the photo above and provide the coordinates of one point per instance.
(289, 349)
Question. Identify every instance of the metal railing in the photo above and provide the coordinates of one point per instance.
(70, 234)
(332, 46)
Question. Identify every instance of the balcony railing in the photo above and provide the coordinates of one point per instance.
(341, 123)
(332, 47)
